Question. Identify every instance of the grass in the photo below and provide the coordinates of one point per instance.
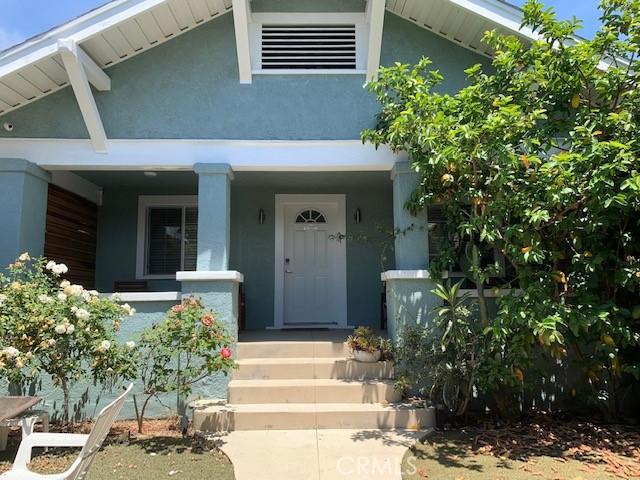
(551, 451)
(161, 454)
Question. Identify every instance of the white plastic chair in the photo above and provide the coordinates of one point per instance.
(90, 444)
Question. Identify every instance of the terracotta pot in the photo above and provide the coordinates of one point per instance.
(366, 357)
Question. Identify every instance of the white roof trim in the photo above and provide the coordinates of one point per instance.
(80, 68)
(79, 29)
(178, 154)
(241, 16)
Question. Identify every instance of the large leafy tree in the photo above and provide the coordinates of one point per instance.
(537, 158)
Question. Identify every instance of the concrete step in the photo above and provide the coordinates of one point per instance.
(309, 368)
(291, 349)
(312, 391)
(298, 416)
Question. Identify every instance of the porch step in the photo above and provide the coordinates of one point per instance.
(298, 416)
(292, 349)
(312, 391)
(310, 368)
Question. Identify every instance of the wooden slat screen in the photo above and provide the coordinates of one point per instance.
(70, 235)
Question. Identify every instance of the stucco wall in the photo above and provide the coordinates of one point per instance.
(188, 88)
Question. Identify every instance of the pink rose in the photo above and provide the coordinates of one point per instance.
(225, 353)
(177, 308)
(207, 320)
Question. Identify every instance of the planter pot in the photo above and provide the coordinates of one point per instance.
(366, 357)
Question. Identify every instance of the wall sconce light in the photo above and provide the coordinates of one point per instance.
(358, 216)
(261, 216)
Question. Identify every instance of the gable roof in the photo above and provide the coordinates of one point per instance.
(121, 29)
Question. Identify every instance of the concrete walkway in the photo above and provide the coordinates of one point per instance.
(317, 454)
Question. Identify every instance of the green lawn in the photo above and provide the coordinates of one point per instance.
(547, 454)
(145, 458)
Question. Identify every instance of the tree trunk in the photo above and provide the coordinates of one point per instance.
(142, 410)
(65, 405)
(482, 300)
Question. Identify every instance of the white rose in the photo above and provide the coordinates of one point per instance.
(44, 298)
(93, 293)
(24, 257)
(50, 264)
(104, 346)
(52, 342)
(62, 297)
(74, 309)
(115, 297)
(129, 309)
(131, 345)
(86, 296)
(10, 352)
(82, 314)
(3, 298)
(61, 328)
(60, 268)
(70, 329)
(65, 284)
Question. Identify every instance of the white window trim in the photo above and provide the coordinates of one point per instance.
(144, 202)
(358, 19)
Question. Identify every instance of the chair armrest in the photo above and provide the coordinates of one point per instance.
(23, 457)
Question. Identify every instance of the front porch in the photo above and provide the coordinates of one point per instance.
(308, 250)
(134, 205)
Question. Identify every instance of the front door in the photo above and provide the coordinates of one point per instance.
(310, 261)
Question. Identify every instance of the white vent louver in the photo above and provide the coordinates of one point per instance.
(308, 47)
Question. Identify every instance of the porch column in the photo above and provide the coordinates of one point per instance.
(408, 288)
(213, 282)
(411, 245)
(23, 208)
(214, 215)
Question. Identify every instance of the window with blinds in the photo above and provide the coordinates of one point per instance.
(171, 240)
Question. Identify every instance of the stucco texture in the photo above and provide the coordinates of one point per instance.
(188, 88)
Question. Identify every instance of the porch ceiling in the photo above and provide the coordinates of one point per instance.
(163, 180)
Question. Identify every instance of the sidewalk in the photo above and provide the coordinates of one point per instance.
(318, 454)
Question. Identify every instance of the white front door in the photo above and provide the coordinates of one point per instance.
(310, 261)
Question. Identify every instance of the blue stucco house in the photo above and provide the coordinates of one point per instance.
(164, 147)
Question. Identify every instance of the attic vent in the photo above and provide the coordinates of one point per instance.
(309, 47)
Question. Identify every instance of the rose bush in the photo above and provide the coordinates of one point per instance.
(189, 345)
(51, 327)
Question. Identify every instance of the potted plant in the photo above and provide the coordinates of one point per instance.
(365, 345)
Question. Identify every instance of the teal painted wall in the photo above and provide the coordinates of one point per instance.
(23, 209)
(188, 88)
(252, 244)
(221, 297)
